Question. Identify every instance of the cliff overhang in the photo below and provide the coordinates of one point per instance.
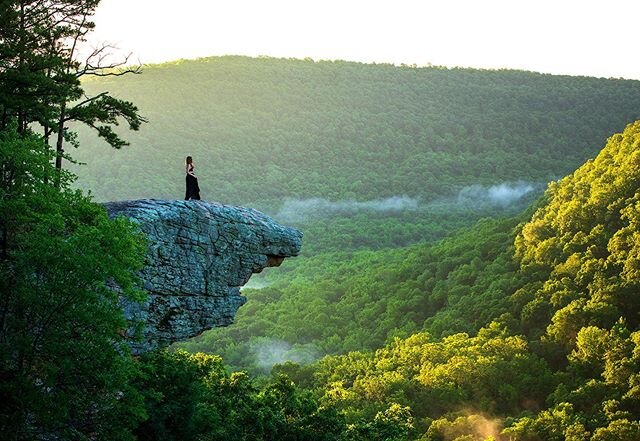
(200, 254)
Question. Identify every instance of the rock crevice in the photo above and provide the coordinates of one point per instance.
(200, 254)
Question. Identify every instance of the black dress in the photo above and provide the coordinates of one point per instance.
(193, 191)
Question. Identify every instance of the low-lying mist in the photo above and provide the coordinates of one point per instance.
(268, 352)
(502, 195)
(472, 197)
(256, 282)
(302, 209)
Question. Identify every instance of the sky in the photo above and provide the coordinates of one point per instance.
(588, 37)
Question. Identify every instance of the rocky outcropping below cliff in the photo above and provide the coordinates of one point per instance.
(200, 254)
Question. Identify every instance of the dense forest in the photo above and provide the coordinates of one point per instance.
(562, 363)
(443, 296)
(342, 142)
(262, 129)
(340, 302)
(524, 331)
(66, 368)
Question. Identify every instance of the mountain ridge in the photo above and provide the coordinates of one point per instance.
(341, 130)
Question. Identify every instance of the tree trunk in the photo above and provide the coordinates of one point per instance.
(4, 253)
(60, 144)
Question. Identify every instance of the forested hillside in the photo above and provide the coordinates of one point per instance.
(262, 130)
(525, 328)
(562, 363)
(340, 302)
(441, 294)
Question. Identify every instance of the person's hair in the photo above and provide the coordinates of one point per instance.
(189, 160)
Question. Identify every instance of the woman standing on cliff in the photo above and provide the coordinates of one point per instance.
(193, 191)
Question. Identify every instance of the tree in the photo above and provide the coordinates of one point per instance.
(192, 397)
(41, 72)
(64, 365)
(64, 266)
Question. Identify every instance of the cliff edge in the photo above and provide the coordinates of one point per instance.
(200, 254)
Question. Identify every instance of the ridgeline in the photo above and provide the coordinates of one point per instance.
(263, 130)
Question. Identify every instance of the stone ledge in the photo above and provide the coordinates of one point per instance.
(200, 254)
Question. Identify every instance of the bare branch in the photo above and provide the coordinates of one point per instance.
(96, 65)
(136, 70)
(79, 34)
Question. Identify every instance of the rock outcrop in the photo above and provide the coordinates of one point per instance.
(200, 254)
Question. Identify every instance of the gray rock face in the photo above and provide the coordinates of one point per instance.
(200, 254)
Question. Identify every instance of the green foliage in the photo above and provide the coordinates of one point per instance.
(534, 328)
(192, 397)
(581, 249)
(102, 113)
(492, 372)
(393, 424)
(618, 430)
(339, 302)
(265, 132)
(40, 74)
(558, 423)
(333, 130)
(572, 374)
(34, 79)
(64, 365)
(586, 239)
(262, 129)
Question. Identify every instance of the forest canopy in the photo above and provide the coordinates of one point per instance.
(262, 130)
(525, 327)
(559, 359)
